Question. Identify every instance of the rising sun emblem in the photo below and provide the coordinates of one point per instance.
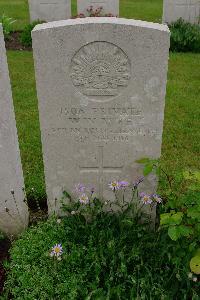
(100, 70)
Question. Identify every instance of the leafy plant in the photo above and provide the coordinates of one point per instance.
(185, 37)
(25, 36)
(180, 214)
(112, 257)
(7, 25)
(93, 253)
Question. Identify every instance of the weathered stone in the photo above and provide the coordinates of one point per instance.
(101, 100)
(109, 6)
(13, 211)
(49, 10)
(188, 10)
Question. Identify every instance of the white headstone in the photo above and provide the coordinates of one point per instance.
(49, 10)
(101, 100)
(13, 210)
(188, 10)
(109, 6)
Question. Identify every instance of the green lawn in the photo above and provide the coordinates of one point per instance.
(149, 10)
(16, 9)
(25, 102)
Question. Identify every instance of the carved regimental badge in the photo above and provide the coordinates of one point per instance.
(100, 70)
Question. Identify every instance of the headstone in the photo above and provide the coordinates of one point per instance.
(13, 210)
(49, 10)
(188, 10)
(101, 100)
(109, 6)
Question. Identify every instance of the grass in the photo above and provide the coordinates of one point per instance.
(149, 10)
(181, 138)
(16, 9)
(25, 102)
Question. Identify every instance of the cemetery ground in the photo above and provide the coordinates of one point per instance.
(180, 152)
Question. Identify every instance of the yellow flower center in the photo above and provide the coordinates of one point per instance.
(57, 250)
(146, 198)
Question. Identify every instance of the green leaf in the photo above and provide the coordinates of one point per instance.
(195, 265)
(185, 230)
(165, 219)
(173, 233)
(176, 218)
(171, 218)
(148, 169)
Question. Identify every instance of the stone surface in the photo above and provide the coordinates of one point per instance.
(49, 10)
(188, 10)
(13, 211)
(101, 100)
(109, 6)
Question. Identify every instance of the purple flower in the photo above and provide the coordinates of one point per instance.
(123, 184)
(80, 188)
(156, 198)
(145, 198)
(137, 182)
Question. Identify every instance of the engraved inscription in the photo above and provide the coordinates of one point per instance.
(100, 70)
(100, 169)
(104, 124)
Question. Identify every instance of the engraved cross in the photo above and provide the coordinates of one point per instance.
(100, 169)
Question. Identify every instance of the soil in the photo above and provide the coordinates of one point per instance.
(4, 248)
(13, 43)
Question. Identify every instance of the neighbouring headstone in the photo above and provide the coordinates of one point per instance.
(101, 100)
(13, 210)
(109, 6)
(188, 10)
(49, 10)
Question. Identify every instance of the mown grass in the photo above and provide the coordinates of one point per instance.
(16, 9)
(149, 10)
(25, 103)
(181, 138)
